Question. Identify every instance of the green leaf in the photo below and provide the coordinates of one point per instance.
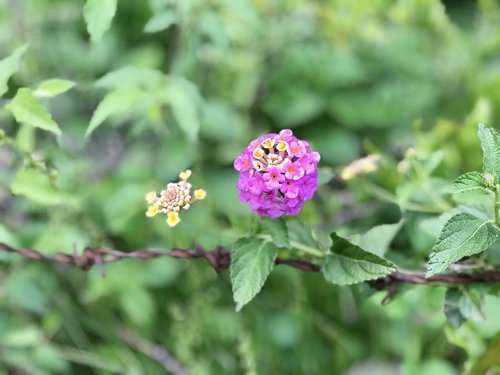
(278, 230)
(251, 262)
(184, 98)
(462, 305)
(53, 87)
(451, 309)
(36, 186)
(130, 76)
(114, 102)
(299, 232)
(24, 292)
(349, 264)
(463, 235)
(138, 305)
(161, 21)
(28, 110)
(98, 15)
(469, 181)
(490, 143)
(377, 239)
(9, 66)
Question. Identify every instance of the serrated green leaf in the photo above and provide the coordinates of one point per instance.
(251, 262)
(278, 230)
(114, 102)
(463, 235)
(468, 182)
(9, 66)
(98, 15)
(53, 87)
(161, 21)
(28, 110)
(490, 143)
(377, 239)
(349, 264)
(36, 186)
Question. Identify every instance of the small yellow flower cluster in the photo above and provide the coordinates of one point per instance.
(175, 196)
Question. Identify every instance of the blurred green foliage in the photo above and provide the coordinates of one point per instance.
(178, 84)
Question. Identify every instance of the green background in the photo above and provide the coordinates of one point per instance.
(189, 84)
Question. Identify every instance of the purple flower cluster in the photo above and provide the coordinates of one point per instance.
(278, 173)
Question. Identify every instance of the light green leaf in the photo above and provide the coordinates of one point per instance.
(138, 304)
(53, 87)
(36, 186)
(22, 291)
(28, 110)
(468, 182)
(377, 239)
(130, 76)
(463, 235)
(349, 264)
(9, 66)
(26, 138)
(251, 262)
(490, 143)
(299, 232)
(161, 21)
(278, 231)
(98, 15)
(114, 102)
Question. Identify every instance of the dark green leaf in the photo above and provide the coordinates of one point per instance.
(463, 235)
(251, 262)
(451, 309)
(349, 264)
(462, 305)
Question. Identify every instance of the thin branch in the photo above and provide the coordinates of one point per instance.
(157, 353)
(220, 260)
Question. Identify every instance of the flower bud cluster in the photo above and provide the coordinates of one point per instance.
(278, 173)
(175, 196)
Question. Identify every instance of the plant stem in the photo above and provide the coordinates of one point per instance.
(307, 249)
(297, 245)
(497, 207)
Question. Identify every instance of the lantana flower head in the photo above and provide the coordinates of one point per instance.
(175, 196)
(278, 173)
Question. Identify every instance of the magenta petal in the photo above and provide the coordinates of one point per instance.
(273, 188)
